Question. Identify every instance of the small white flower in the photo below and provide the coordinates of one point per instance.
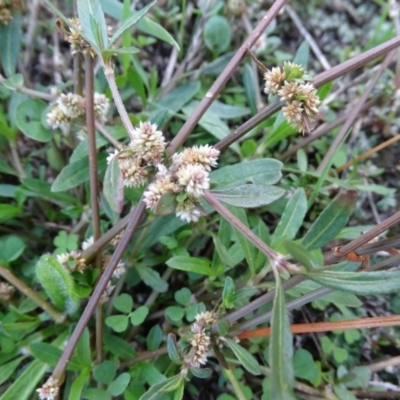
(194, 179)
(101, 106)
(155, 191)
(63, 258)
(56, 118)
(187, 211)
(112, 155)
(133, 174)
(87, 243)
(71, 104)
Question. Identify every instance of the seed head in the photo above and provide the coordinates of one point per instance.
(49, 391)
(188, 211)
(6, 291)
(274, 80)
(194, 179)
(101, 106)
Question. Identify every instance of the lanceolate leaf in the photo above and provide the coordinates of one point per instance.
(265, 171)
(331, 221)
(93, 22)
(281, 348)
(56, 281)
(113, 187)
(245, 357)
(172, 348)
(292, 217)
(150, 27)
(131, 20)
(249, 196)
(78, 384)
(362, 283)
(190, 264)
(157, 391)
(10, 40)
(75, 173)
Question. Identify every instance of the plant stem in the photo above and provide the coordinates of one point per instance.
(328, 158)
(213, 92)
(133, 224)
(110, 76)
(319, 80)
(27, 291)
(110, 138)
(94, 187)
(274, 257)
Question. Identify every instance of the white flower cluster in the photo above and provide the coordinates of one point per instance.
(71, 106)
(49, 391)
(6, 291)
(200, 341)
(187, 173)
(301, 98)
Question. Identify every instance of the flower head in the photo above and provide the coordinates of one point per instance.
(148, 143)
(49, 391)
(205, 156)
(274, 80)
(156, 189)
(133, 174)
(56, 118)
(194, 179)
(289, 91)
(188, 211)
(6, 291)
(71, 104)
(101, 106)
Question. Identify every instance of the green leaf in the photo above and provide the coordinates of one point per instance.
(217, 34)
(152, 278)
(190, 264)
(29, 120)
(167, 204)
(340, 355)
(119, 386)
(152, 28)
(95, 394)
(245, 357)
(50, 354)
(172, 348)
(118, 323)
(124, 303)
(14, 81)
(113, 186)
(154, 338)
(174, 313)
(202, 373)
(11, 247)
(299, 253)
(223, 327)
(56, 281)
(6, 370)
(83, 352)
(139, 315)
(292, 217)
(249, 84)
(93, 23)
(119, 347)
(305, 366)
(324, 90)
(105, 372)
(78, 384)
(132, 19)
(10, 42)
(228, 293)
(249, 196)
(249, 250)
(8, 211)
(123, 50)
(331, 221)
(179, 391)
(281, 348)
(362, 283)
(26, 383)
(43, 189)
(302, 55)
(157, 391)
(75, 173)
(265, 171)
(183, 296)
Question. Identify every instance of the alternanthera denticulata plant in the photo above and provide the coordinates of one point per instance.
(183, 179)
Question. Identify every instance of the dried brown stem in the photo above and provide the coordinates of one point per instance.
(353, 115)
